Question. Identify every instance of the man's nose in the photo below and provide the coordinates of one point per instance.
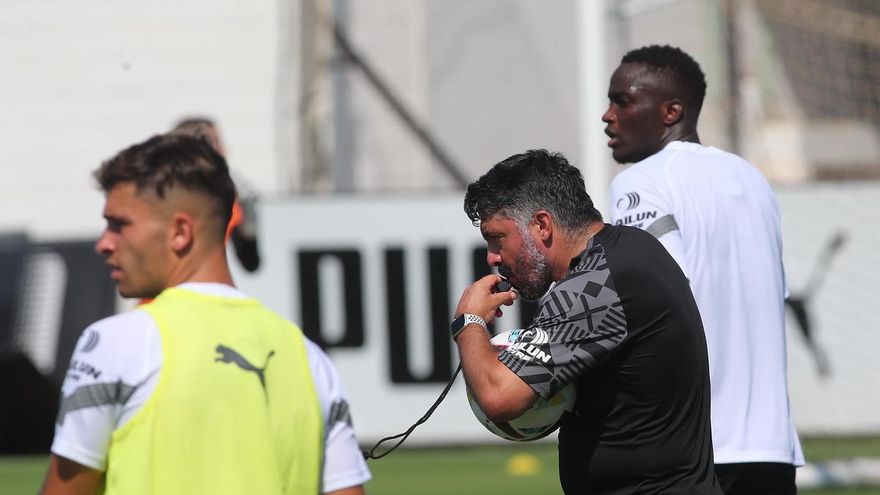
(608, 116)
(104, 244)
(493, 259)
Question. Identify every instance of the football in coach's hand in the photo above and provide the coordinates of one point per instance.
(537, 421)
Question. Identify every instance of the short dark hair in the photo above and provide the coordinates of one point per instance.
(198, 127)
(167, 161)
(522, 184)
(674, 62)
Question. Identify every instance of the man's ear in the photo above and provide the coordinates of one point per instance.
(182, 232)
(673, 112)
(542, 223)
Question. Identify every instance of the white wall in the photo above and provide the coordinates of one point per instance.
(80, 80)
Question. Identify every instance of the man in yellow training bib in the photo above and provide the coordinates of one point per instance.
(204, 390)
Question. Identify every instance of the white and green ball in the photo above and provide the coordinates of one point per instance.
(536, 422)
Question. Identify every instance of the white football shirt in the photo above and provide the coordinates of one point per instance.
(718, 217)
(114, 370)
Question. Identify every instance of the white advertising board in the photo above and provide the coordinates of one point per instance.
(380, 277)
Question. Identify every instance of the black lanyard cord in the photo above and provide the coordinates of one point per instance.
(371, 453)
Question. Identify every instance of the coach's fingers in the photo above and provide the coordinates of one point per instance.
(489, 281)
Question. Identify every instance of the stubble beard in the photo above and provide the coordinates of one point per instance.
(533, 276)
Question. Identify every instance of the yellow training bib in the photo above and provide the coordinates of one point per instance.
(235, 409)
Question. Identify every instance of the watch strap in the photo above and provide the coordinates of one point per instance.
(459, 324)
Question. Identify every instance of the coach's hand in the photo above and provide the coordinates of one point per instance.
(480, 299)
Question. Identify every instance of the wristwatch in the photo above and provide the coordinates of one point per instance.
(464, 320)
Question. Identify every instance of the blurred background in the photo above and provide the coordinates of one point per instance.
(352, 128)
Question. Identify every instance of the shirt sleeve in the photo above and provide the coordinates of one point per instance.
(344, 464)
(579, 324)
(104, 385)
(637, 200)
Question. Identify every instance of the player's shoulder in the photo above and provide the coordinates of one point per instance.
(324, 373)
(739, 173)
(641, 170)
(319, 361)
(121, 346)
(685, 162)
(131, 326)
(702, 155)
(645, 175)
(747, 169)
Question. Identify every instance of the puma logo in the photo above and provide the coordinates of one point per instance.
(227, 355)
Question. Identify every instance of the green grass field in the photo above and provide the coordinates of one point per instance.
(512, 469)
